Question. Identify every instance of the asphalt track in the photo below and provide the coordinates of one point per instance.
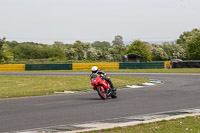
(179, 91)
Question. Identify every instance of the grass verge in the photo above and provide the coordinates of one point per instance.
(22, 86)
(183, 125)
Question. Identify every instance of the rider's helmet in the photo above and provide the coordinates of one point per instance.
(94, 69)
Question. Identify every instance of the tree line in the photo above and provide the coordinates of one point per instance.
(187, 46)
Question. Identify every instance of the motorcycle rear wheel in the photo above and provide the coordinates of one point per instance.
(102, 92)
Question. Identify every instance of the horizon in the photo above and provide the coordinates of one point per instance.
(126, 42)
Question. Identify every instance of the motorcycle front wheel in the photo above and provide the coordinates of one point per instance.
(102, 92)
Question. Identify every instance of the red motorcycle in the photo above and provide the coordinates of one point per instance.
(102, 87)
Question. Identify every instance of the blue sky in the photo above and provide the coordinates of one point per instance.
(46, 21)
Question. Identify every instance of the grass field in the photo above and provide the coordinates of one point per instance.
(22, 86)
(183, 125)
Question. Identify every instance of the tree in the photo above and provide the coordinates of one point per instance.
(12, 44)
(59, 45)
(101, 45)
(178, 51)
(157, 53)
(92, 54)
(189, 41)
(168, 49)
(187, 36)
(193, 48)
(54, 52)
(174, 51)
(118, 41)
(27, 51)
(71, 53)
(2, 41)
(140, 48)
(81, 51)
(116, 52)
(5, 55)
(32, 51)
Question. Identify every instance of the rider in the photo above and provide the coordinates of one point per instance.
(95, 70)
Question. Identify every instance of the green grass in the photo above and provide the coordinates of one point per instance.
(183, 125)
(22, 86)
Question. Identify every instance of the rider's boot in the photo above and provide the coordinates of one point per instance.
(112, 87)
(111, 84)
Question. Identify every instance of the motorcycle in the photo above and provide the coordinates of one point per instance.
(102, 87)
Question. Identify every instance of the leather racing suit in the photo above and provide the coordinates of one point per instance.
(103, 75)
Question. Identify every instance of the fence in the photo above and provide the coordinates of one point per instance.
(141, 65)
(186, 65)
(84, 66)
(12, 67)
(88, 66)
(48, 67)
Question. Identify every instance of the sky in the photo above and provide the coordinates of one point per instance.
(47, 21)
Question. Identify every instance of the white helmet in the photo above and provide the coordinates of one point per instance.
(94, 69)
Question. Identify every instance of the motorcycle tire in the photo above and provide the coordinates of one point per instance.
(102, 92)
(113, 94)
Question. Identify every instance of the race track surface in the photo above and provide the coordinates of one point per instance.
(179, 91)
